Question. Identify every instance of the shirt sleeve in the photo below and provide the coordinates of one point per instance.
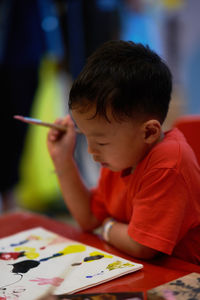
(159, 210)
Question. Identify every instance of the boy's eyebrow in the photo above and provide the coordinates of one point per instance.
(92, 134)
(96, 134)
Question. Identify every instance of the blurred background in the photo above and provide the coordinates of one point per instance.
(43, 47)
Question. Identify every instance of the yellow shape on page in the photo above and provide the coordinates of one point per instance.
(29, 251)
(73, 249)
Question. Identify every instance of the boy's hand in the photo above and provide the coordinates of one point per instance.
(61, 144)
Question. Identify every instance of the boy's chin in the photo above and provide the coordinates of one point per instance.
(125, 171)
(115, 169)
(111, 168)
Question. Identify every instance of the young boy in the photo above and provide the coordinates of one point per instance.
(148, 196)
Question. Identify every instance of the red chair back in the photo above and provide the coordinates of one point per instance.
(189, 125)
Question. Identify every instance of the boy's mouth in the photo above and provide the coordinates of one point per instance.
(105, 165)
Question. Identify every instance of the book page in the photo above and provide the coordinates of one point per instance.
(38, 262)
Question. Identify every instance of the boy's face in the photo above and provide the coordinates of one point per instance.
(114, 145)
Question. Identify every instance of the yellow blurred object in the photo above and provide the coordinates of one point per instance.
(38, 184)
(173, 4)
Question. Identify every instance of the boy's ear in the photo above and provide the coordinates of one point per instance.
(151, 131)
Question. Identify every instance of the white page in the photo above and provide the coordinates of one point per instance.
(36, 261)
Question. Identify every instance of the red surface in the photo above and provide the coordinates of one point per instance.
(154, 273)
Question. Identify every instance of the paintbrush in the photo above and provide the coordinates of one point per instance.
(39, 122)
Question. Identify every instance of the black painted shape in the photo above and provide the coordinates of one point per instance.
(24, 266)
(94, 257)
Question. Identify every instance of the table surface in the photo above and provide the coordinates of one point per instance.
(154, 273)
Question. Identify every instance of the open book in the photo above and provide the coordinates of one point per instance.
(183, 288)
(36, 262)
(103, 296)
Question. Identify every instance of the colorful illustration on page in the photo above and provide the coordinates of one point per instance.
(37, 261)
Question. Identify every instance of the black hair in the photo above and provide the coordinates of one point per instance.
(129, 78)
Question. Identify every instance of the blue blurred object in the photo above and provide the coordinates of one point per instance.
(50, 25)
(21, 36)
(76, 41)
(141, 25)
(107, 5)
(192, 81)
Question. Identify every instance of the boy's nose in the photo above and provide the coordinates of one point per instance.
(92, 149)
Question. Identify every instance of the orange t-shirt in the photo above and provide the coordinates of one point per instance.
(160, 200)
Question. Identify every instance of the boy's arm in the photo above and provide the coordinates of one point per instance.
(119, 238)
(76, 195)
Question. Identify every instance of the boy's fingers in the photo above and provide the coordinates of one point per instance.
(68, 122)
(55, 134)
(59, 121)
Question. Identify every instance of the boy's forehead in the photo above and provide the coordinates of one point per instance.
(88, 117)
(98, 126)
(94, 127)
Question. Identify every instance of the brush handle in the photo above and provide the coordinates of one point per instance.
(46, 124)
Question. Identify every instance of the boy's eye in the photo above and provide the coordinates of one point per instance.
(102, 144)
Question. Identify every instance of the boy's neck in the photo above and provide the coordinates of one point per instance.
(131, 169)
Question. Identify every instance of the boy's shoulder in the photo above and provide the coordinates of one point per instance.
(172, 151)
(173, 140)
